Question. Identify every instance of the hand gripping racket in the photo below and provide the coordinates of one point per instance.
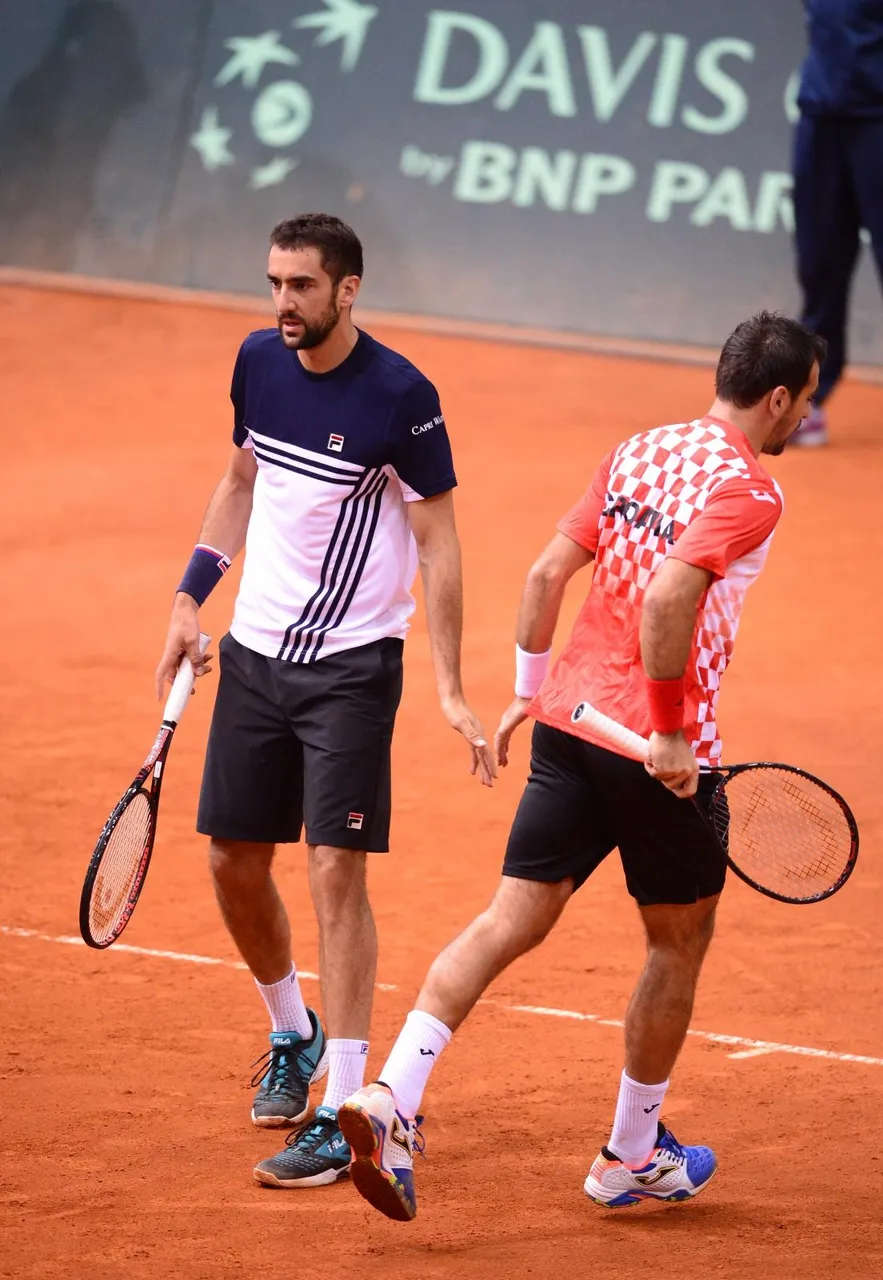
(783, 831)
(118, 867)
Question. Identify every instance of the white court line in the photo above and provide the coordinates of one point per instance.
(755, 1048)
(183, 956)
(68, 941)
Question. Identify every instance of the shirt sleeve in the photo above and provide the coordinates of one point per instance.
(738, 516)
(420, 449)
(237, 396)
(582, 522)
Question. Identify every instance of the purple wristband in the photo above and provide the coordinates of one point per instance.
(206, 569)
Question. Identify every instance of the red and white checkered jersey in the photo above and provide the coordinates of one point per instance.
(695, 491)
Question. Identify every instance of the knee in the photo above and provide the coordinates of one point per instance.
(676, 958)
(528, 931)
(678, 937)
(233, 863)
(338, 881)
(523, 913)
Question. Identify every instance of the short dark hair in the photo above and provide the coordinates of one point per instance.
(339, 245)
(767, 351)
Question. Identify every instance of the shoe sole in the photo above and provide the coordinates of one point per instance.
(278, 1122)
(267, 1179)
(289, 1122)
(373, 1184)
(627, 1199)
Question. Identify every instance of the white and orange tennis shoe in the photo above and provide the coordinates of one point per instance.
(382, 1144)
(672, 1172)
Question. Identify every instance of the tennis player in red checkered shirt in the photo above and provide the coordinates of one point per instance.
(678, 522)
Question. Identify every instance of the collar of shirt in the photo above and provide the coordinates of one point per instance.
(354, 362)
(735, 436)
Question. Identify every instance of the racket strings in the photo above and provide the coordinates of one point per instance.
(120, 867)
(785, 831)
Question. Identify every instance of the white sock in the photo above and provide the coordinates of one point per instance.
(635, 1124)
(413, 1056)
(286, 1007)
(346, 1070)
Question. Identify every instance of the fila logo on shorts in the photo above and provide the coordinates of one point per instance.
(355, 820)
(335, 443)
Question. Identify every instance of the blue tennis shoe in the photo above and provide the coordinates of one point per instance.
(673, 1172)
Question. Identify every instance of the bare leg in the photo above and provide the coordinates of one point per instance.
(662, 1004)
(655, 1026)
(252, 909)
(519, 917)
(347, 940)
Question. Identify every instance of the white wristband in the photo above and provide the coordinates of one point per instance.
(530, 671)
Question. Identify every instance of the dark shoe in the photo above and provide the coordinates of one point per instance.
(287, 1070)
(314, 1156)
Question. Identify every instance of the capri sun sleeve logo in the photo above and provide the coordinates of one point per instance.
(420, 430)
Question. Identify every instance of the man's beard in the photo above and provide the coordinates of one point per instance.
(775, 449)
(313, 333)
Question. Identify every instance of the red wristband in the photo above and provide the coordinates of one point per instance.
(665, 702)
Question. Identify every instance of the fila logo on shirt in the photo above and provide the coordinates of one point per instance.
(640, 515)
(335, 443)
(355, 820)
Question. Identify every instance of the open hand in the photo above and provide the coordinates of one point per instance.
(459, 717)
(514, 715)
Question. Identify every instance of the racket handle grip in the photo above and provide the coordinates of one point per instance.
(632, 744)
(183, 685)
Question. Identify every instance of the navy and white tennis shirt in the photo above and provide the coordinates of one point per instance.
(329, 554)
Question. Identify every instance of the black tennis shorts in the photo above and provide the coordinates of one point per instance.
(581, 802)
(296, 745)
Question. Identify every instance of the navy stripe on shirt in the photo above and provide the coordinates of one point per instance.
(302, 471)
(352, 574)
(312, 610)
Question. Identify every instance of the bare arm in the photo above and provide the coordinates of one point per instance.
(229, 510)
(224, 527)
(668, 621)
(438, 549)
(668, 618)
(544, 591)
(538, 617)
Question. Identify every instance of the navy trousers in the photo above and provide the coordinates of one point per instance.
(838, 189)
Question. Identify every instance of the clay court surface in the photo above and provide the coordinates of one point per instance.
(126, 1143)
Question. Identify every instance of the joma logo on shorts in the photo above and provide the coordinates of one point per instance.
(640, 515)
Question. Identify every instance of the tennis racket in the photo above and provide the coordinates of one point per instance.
(783, 831)
(118, 867)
